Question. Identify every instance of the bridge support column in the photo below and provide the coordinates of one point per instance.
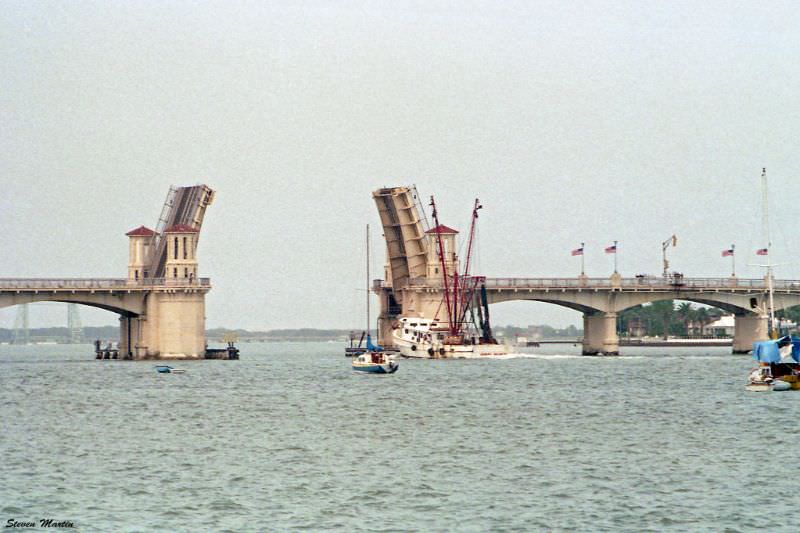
(600, 334)
(126, 339)
(747, 330)
(172, 327)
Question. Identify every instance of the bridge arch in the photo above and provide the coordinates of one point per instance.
(721, 303)
(561, 299)
(126, 305)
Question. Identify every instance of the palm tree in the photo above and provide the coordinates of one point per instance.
(685, 314)
(703, 318)
(664, 310)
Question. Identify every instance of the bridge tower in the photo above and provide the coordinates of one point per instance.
(165, 260)
(181, 262)
(139, 252)
(448, 244)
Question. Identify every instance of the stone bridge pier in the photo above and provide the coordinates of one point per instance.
(600, 334)
(747, 330)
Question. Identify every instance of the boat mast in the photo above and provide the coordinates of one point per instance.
(472, 234)
(437, 229)
(765, 220)
(468, 292)
(368, 324)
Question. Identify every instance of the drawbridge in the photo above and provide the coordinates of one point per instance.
(183, 206)
(406, 244)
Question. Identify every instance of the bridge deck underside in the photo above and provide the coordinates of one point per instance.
(122, 303)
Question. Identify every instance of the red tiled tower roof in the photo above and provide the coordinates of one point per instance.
(181, 228)
(441, 228)
(141, 231)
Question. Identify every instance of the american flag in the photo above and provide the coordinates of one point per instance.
(726, 253)
(611, 249)
(762, 251)
(578, 251)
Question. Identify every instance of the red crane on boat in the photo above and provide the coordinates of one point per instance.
(459, 290)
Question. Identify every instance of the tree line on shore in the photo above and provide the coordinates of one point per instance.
(679, 318)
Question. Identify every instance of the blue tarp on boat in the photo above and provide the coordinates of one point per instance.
(769, 351)
(372, 347)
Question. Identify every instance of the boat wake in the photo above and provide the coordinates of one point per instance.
(559, 356)
(532, 356)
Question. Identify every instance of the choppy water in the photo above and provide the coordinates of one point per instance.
(289, 438)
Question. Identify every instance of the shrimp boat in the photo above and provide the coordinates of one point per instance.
(374, 361)
(465, 332)
(778, 365)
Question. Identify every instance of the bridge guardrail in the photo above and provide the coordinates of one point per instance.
(654, 282)
(97, 283)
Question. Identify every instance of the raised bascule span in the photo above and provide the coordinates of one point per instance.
(162, 301)
(419, 291)
(183, 206)
(406, 244)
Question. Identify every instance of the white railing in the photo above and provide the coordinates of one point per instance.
(97, 283)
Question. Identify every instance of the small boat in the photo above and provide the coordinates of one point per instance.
(778, 365)
(165, 369)
(374, 361)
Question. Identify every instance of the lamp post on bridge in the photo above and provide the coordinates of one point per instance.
(664, 245)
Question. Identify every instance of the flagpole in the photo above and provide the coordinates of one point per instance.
(583, 264)
(615, 257)
(733, 260)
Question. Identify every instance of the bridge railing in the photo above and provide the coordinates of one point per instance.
(654, 282)
(97, 283)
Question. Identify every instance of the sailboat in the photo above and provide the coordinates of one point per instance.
(466, 332)
(374, 360)
(779, 365)
(778, 358)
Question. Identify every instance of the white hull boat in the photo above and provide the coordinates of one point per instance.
(426, 339)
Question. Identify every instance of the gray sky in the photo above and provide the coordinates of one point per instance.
(571, 121)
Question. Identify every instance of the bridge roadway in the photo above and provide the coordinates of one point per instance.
(120, 295)
(600, 299)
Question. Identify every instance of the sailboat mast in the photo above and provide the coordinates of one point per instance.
(765, 220)
(765, 207)
(368, 324)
